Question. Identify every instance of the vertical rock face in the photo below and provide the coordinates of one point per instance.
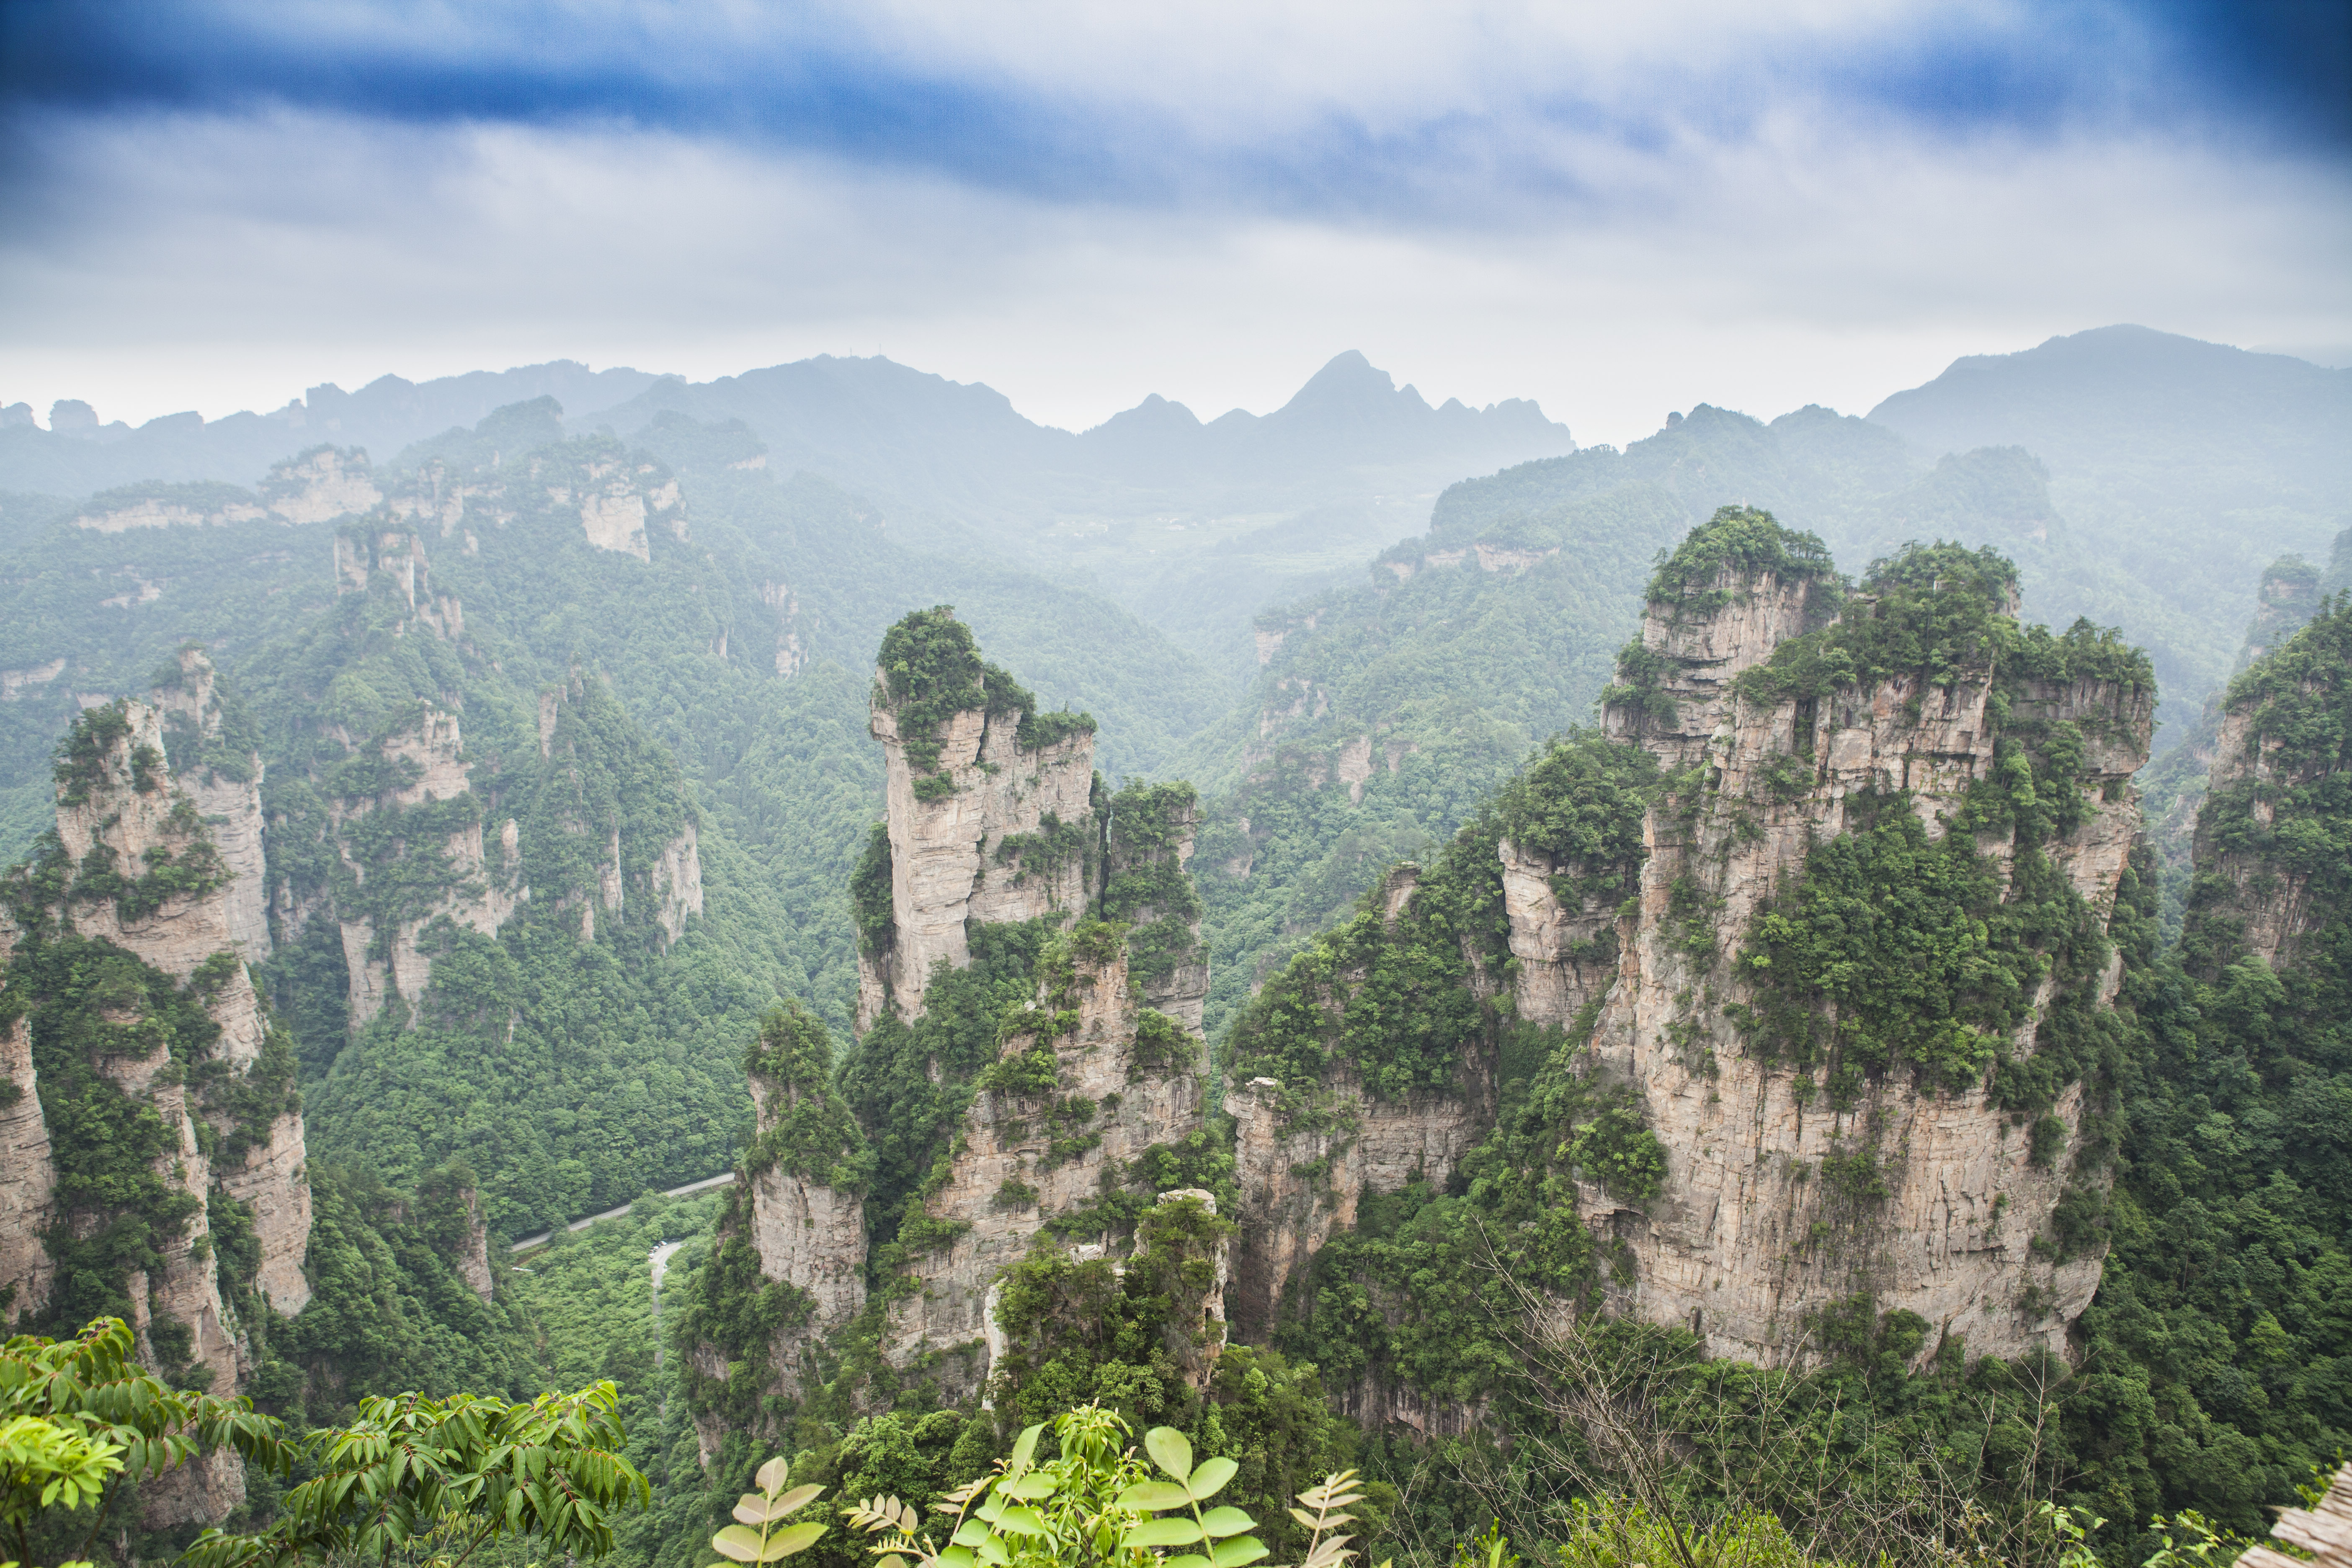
(27, 1179)
(808, 1233)
(474, 1261)
(677, 883)
(223, 773)
(1303, 1178)
(479, 890)
(1299, 1185)
(2263, 884)
(135, 866)
(1073, 1099)
(991, 848)
(1740, 1245)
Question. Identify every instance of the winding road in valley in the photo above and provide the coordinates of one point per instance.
(704, 1185)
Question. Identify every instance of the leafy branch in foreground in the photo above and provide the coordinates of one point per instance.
(749, 1539)
(1097, 1504)
(438, 1478)
(83, 1415)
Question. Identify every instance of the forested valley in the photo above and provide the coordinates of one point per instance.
(1778, 994)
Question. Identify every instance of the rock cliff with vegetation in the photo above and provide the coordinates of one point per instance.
(1028, 1096)
(153, 1085)
(1865, 956)
(989, 811)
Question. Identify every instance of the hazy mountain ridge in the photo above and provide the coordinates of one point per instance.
(386, 415)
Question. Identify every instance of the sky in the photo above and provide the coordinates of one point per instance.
(1615, 209)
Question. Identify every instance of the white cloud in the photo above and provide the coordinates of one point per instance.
(222, 262)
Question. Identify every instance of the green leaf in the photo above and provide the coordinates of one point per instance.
(1223, 1522)
(1168, 1450)
(794, 1499)
(970, 1532)
(1032, 1488)
(773, 1474)
(735, 1541)
(1175, 1532)
(957, 1557)
(1191, 1560)
(1025, 1447)
(1210, 1477)
(798, 1538)
(1022, 1521)
(1150, 1496)
(1234, 1552)
(991, 1550)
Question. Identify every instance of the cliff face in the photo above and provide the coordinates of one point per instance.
(1303, 1178)
(808, 1233)
(429, 795)
(27, 1179)
(137, 893)
(1299, 1185)
(214, 760)
(1741, 1244)
(1074, 1098)
(2271, 873)
(979, 849)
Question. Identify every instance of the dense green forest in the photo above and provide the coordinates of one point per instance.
(581, 1051)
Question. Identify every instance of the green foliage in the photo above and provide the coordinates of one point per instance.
(887, 1077)
(1893, 947)
(424, 1477)
(755, 1537)
(2290, 815)
(811, 1133)
(1145, 885)
(2213, 1376)
(931, 670)
(389, 1308)
(1391, 1000)
(1934, 613)
(870, 893)
(83, 757)
(1615, 1150)
(85, 1418)
(1744, 541)
(1580, 801)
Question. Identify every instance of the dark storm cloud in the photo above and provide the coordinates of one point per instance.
(809, 79)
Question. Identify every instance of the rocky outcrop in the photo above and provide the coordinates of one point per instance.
(117, 825)
(319, 486)
(810, 1235)
(677, 883)
(2266, 881)
(479, 890)
(27, 1178)
(223, 774)
(474, 1255)
(1302, 1178)
(1003, 839)
(1300, 1183)
(1076, 1096)
(138, 870)
(272, 1184)
(791, 649)
(1741, 1244)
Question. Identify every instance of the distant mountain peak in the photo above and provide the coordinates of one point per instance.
(1349, 382)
